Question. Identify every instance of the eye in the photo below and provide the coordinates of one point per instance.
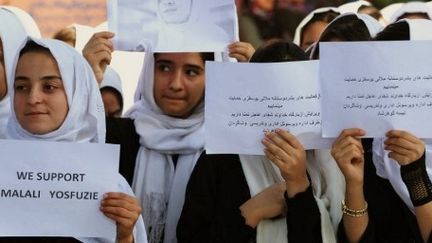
(49, 87)
(20, 87)
(192, 72)
(163, 67)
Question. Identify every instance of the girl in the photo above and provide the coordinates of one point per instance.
(55, 98)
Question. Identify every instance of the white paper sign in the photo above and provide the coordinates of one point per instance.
(376, 86)
(55, 189)
(173, 25)
(244, 100)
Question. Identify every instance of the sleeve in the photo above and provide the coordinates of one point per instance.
(303, 217)
(368, 235)
(203, 219)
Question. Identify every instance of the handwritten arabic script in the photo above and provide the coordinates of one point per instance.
(278, 112)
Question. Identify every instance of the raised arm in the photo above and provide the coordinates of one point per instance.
(347, 150)
(98, 51)
(409, 152)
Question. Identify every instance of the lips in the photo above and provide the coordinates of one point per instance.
(35, 113)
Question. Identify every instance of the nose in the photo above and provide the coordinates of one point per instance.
(176, 83)
(34, 96)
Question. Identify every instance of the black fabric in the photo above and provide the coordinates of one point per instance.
(417, 180)
(390, 220)
(216, 190)
(122, 131)
(303, 217)
(38, 240)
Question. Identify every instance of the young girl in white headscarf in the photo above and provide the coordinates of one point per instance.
(12, 33)
(389, 191)
(55, 98)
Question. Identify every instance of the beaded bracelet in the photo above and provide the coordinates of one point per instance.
(354, 213)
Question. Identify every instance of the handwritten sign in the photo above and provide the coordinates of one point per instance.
(55, 189)
(376, 86)
(245, 100)
(173, 25)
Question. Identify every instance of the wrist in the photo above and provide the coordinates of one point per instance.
(125, 239)
(297, 186)
(250, 215)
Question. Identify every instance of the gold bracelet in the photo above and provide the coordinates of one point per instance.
(354, 213)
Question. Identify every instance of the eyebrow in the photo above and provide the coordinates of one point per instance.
(47, 77)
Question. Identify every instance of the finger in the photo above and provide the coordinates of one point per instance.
(120, 195)
(97, 45)
(290, 138)
(102, 56)
(350, 141)
(274, 159)
(404, 134)
(399, 149)
(127, 222)
(239, 57)
(402, 142)
(119, 212)
(351, 154)
(401, 159)
(351, 132)
(276, 143)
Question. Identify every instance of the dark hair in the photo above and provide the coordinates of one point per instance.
(326, 17)
(408, 15)
(395, 31)
(278, 50)
(371, 11)
(32, 46)
(205, 56)
(67, 35)
(345, 28)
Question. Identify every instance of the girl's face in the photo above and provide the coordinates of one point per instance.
(3, 86)
(179, 80)
(40, 101)
(312, 34)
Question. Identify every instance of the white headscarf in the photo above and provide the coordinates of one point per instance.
(387, 168)
(297, 36)
(12, 34)
(388, 11)
(83, 33)
(85, 121)
(328, 187)
(412, 7)
(353, 7)
(26, 20)
(372, 25)
(112, 79)
(158, 185)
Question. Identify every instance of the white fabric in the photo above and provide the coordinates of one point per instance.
(372, 25)
(12, 34)
(158, 185)
(85, 121)
(387, 168)
(388, 11)
(420, 29)
(412, 7)
(83, 33)
(353, 7)
(26, 20)
(85, 113)
(112, 79)
(297, 35)
(327, 185)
